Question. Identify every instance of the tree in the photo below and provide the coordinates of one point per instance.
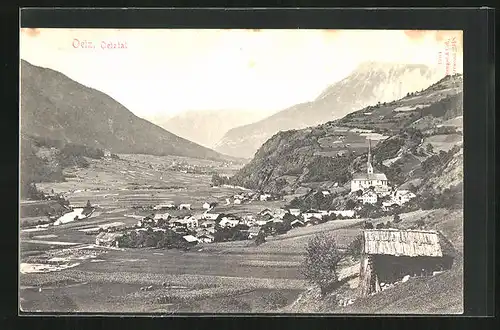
(261, 238)
(368, 225)
(429, 148)
(350, 204)
(88, 204)
(396, 218)
(321, 262)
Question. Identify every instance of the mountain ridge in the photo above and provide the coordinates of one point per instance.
(55, 106)
(367, 84)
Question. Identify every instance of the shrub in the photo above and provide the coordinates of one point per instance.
(380, 226)
(396, 218)
(261, 238)
(321, 262)
(368, 225)
(420, 223)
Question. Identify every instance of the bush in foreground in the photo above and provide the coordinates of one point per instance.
(321, 262)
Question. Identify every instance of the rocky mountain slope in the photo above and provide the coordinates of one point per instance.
(416, 140)
(54, 106)
(207, 127)
(369, 83)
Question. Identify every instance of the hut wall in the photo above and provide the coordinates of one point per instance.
(365, 276)
(389, 269)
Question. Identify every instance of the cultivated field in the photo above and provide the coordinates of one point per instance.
(63, 271)
(221, 277)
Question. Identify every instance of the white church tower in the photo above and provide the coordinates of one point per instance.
(369, 167)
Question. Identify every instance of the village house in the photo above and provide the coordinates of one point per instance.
(369, 197)
(314, 221)
(237, 201)
(295, 212)
(191, 222)
(362, 181)
(211, 216)
(389, 255)
(207, 223)
(311, 213)
(206, 206)
(190, 239)
(261, 222)
(161, 216)
(185, 207)
(402, 196)
(265, 211)
(108, 239)
(297, 223)
(325, 192)
(229, 222)
(264, 197)
(107, 153)
(206, 238)
(277, 220)
(253, 232)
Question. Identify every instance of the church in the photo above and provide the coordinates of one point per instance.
(362, 181)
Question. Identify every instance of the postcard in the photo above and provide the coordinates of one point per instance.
(216, 171)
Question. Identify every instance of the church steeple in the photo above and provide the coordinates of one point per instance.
(369, 167)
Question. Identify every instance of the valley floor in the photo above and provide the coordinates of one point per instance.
(211, 278)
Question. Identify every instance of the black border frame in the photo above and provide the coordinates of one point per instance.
(478, 27)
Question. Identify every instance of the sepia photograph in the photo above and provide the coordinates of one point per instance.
(240, 171)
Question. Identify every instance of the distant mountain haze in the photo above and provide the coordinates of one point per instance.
(56, 107)
(368, 84)
(207, 127)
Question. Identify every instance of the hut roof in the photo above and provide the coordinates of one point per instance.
(411, 243)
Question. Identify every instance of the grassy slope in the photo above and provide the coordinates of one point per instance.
(53, 105)
(441, 294)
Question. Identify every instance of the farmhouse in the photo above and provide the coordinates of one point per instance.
(314, 220)
(211, 216)
(161, 216)
(206, 238)
(297, 223)
(190, 239)
(207, 223)
(362, 181)
(388, 255)
(265, 211)
(108, 239)
(311, 213)
(402, 196)
(369, 197)
(227, 222)
(264, 197)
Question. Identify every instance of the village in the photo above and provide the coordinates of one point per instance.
(205, 224)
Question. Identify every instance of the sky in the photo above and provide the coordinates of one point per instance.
(165, 72)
